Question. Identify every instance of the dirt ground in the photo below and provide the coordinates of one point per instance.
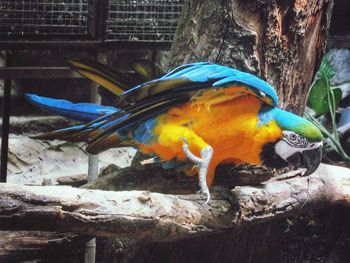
(31, 161)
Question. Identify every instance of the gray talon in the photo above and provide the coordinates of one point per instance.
(203, 164)
(207, 193)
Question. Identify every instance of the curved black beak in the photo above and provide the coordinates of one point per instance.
(309, 159)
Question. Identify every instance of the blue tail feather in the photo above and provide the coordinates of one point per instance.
(84, 112)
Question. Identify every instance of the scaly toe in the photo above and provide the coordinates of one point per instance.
(205, 193)
(208, 196)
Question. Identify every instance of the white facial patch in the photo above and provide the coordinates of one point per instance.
(292, 143)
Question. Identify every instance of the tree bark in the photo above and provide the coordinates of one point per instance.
(155, 179)
(281, 41)
(159, 217)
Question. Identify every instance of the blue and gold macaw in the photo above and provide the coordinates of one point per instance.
(202, 113)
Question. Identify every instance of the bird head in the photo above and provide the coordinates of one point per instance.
(300, 143)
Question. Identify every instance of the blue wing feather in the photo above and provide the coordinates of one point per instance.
(183, 69)
(222, 76)
(258, 85)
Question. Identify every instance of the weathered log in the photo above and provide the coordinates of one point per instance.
(18, 246)
(161, 217)
(73, 180)
(155, 179)
(281, 41)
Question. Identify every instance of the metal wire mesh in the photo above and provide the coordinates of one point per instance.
(143, 20)
(43, 17)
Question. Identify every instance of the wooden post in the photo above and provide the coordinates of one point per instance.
(5, 123)
(93, 158)
(90, 246)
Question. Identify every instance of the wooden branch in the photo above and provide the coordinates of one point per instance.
(155, 179)
(73, 180)
(154, 216)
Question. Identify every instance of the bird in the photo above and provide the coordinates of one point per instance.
(200, 113)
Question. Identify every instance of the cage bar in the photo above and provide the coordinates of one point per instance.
(143, 20)
(88, 20)
(43, 17)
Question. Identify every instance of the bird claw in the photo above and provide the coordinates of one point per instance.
(203, 163)
(206, 193)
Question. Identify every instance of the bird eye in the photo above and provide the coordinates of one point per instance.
(295, 140)
(293, 137)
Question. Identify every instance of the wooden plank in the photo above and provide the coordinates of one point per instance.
(338, 41)
(37, 73)
(47, 44)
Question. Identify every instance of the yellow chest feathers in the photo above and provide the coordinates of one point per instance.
(231, 128)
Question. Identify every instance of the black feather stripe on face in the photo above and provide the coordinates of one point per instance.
(270, 158)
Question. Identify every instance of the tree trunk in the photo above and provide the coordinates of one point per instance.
(281, 41)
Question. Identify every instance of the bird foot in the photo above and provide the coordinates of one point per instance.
(206, 194)
(203, 164)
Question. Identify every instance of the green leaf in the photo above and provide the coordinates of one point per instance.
(320, 89)
(326, 70)
(318, 97)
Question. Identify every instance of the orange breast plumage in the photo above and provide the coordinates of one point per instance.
(231, 127)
